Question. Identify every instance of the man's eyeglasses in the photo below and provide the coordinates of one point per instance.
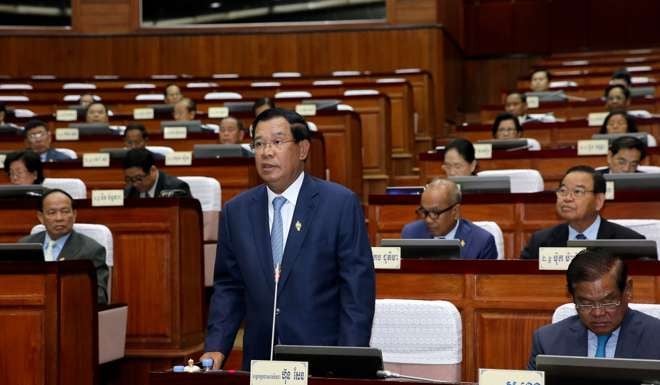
(577, 192)
(433, 213)
(135, 179)
(587, 307)
(277, 144)
(37, 135)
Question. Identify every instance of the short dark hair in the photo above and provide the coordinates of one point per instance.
(628, 142)
(599, 181)
(464, 148)
(591, 264)
(30, 159)
(265, 101)
(521, 95)
(168, 85)
(299, 128)
(139, 157)
(241, 126)
(93, 103)
(49, 191)
(34, 123)
(504, 117)
(630, 121)
(624, 75)
(547, 73)
(626, 91)
(137, 126)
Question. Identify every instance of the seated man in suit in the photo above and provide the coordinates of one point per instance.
(136, 136)
(58, 214)
(604, 325)
(441, 212)
(172, 94)
(304, 233)
(231, 131)
(624, 155)
(144, 180)
(38, 138)
(580, 197)
(185, 109)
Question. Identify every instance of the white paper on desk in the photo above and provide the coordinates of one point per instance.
(511, 377)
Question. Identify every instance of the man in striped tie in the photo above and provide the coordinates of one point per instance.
(604, 325)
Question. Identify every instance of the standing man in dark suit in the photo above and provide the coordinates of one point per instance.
(441, 218)
(58, 214)
(604, 325)
(580, 197)
(38, 138)
(306, 234)
(144, 180)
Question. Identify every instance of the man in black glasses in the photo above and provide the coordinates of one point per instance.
(580, 197)
(604, 325)
(144, 180)
(440, 213)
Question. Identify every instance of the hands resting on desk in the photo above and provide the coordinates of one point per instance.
(217, 357)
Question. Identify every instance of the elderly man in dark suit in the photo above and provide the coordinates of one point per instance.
(61, 242)
(302, 235)
(144, 180)
(580, 197)
(604, 325)
(441, 218)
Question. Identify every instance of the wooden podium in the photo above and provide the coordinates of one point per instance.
(48, 323)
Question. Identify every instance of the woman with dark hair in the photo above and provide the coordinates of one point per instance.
(24, 167)
(459, 158)
(506, 126)
(618, 122)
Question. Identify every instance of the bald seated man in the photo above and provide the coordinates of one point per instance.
(440, 214)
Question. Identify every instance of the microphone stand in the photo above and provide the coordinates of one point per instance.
(272, 334)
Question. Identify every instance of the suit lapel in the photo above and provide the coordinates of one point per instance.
(259, 223)
(302, 218)
(629, 336)
(560, 235)
(578, 338)
(605, 231)
(71, 248)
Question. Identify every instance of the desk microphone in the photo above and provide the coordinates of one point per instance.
(272, 335)
(388, 374)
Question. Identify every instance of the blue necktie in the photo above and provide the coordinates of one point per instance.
(602, 341)
(276, 236)
(580, 236)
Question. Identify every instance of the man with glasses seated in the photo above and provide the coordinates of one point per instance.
(144, 180)
(38, 138)
(604, 325)
(440, 213)
(580, 197)
(625, 154)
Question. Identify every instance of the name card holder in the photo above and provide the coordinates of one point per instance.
(96, 159)
(179, 158)
(278, 373)
(511, 377)
(306, 109)
(533, 102)
(218, 112)
(2, 160)
(592, 147)
(557, 258)
(102, 198)
(67, 134)
(483, 151)
(175, 132)
(596, 118)
(66, 115)
(387, 257)
(143, 113)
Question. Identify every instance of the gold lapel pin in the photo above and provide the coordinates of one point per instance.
(462, 243)
(298, 226)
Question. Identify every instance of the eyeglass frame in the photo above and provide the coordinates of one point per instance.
(135, 179)
(576, 192)
(434, 214)
(259, 145)
(606, 306)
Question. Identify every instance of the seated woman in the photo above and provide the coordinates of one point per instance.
(459, 158)
(618, 122)
(506, 126)
(24, 167)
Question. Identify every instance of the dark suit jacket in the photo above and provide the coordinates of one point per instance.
(604, 171)
(53, 155)
(557, 236)
(80, 246)
(479, 243)
(326, 292)
(165, 182)
(639, 337)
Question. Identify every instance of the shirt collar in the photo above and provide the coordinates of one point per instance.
(59, 243)
(452, 233)
(291, 192)
(591, 232)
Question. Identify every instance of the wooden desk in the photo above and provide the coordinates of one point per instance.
(501, 302)
(518, 215)
(48, 323)
(158, 273)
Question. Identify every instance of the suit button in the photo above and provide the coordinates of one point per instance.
(277, 311)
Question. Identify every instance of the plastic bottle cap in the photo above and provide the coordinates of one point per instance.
(207, 362)
(178, 369)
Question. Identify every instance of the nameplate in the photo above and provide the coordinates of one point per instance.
(175, 132)
(278, 372)
(592, 147)
(483, 150)
(143, 113)
(67, 134)
(218, 112)
(596, 118)
(66, 115)
(387, 257)
(557, 258)
(306, 109)
(96, 159)
(533, 102)
(179, 158)
(511, 377)
(2, 160)
(609, 190)
(102, 198)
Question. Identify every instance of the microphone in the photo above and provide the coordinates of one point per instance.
(388, 374)
(272, 334)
